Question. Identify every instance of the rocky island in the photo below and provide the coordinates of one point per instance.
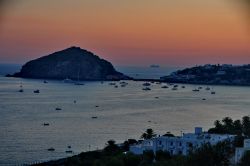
(212, 74)
(72, 63)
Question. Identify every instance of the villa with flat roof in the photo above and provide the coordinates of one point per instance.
(180, 145)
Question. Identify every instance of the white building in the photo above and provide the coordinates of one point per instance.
(239, 152)
(179, 145)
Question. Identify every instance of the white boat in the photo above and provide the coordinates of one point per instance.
(67, 80)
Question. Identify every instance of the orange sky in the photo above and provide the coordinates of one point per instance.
(127, 32)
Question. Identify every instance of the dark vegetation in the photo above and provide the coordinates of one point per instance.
(207, 155)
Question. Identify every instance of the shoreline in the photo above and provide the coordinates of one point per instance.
(153, 80)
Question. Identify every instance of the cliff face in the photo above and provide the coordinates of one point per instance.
(73, 63)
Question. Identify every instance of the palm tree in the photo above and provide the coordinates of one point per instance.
(148, 134)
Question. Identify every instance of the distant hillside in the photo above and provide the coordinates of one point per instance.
(72, 63)
(212, 74)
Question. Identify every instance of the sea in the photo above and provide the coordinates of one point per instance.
(93, 113)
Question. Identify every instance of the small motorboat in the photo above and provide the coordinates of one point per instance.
(146, 89)
(164, 87)
(213, 92)
(207, 88)
(196, 90)
(174, 88)
(51, 149)
(146, 84)
(45, 81)
(45, 124)
(69, 151)
(78, 83)
(183, 87)
(58, 109)
(21, 90)
(67, 80)
(94, 117)
(37, 91)
(116, 86)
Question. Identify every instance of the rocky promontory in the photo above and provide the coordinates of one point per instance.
(226, 74)
(72, 63)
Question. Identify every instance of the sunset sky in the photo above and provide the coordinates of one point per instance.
(127, 32)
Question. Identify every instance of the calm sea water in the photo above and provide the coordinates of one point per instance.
(122, 113)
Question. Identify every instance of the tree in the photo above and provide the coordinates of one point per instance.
(112, 147)
(245, 160)
(246, 125)
(209, 155)
(148, 134)
(162, 155)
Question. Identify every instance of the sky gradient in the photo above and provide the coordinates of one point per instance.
(141, 32)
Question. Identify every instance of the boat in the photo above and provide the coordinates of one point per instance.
(78, 78)
(45, 82)
(213, 92)
(21, 87)
(146, 89)
(45, 124)
(146, 84)
(112, 83)
(78, 83)
(51, 149)
(116, 86)
(200, 87)
(174, 88)
(196, 90)
(67, 80)
(183, 87)
(164, 87)
(94, 117)
(207, 88)
(36, 91)
(69, 151)
(58, 109)
(155, 66)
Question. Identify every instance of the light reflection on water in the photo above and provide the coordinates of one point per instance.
(122, 113)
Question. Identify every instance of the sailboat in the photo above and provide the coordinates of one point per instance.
(21, 87)
(78, 78)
